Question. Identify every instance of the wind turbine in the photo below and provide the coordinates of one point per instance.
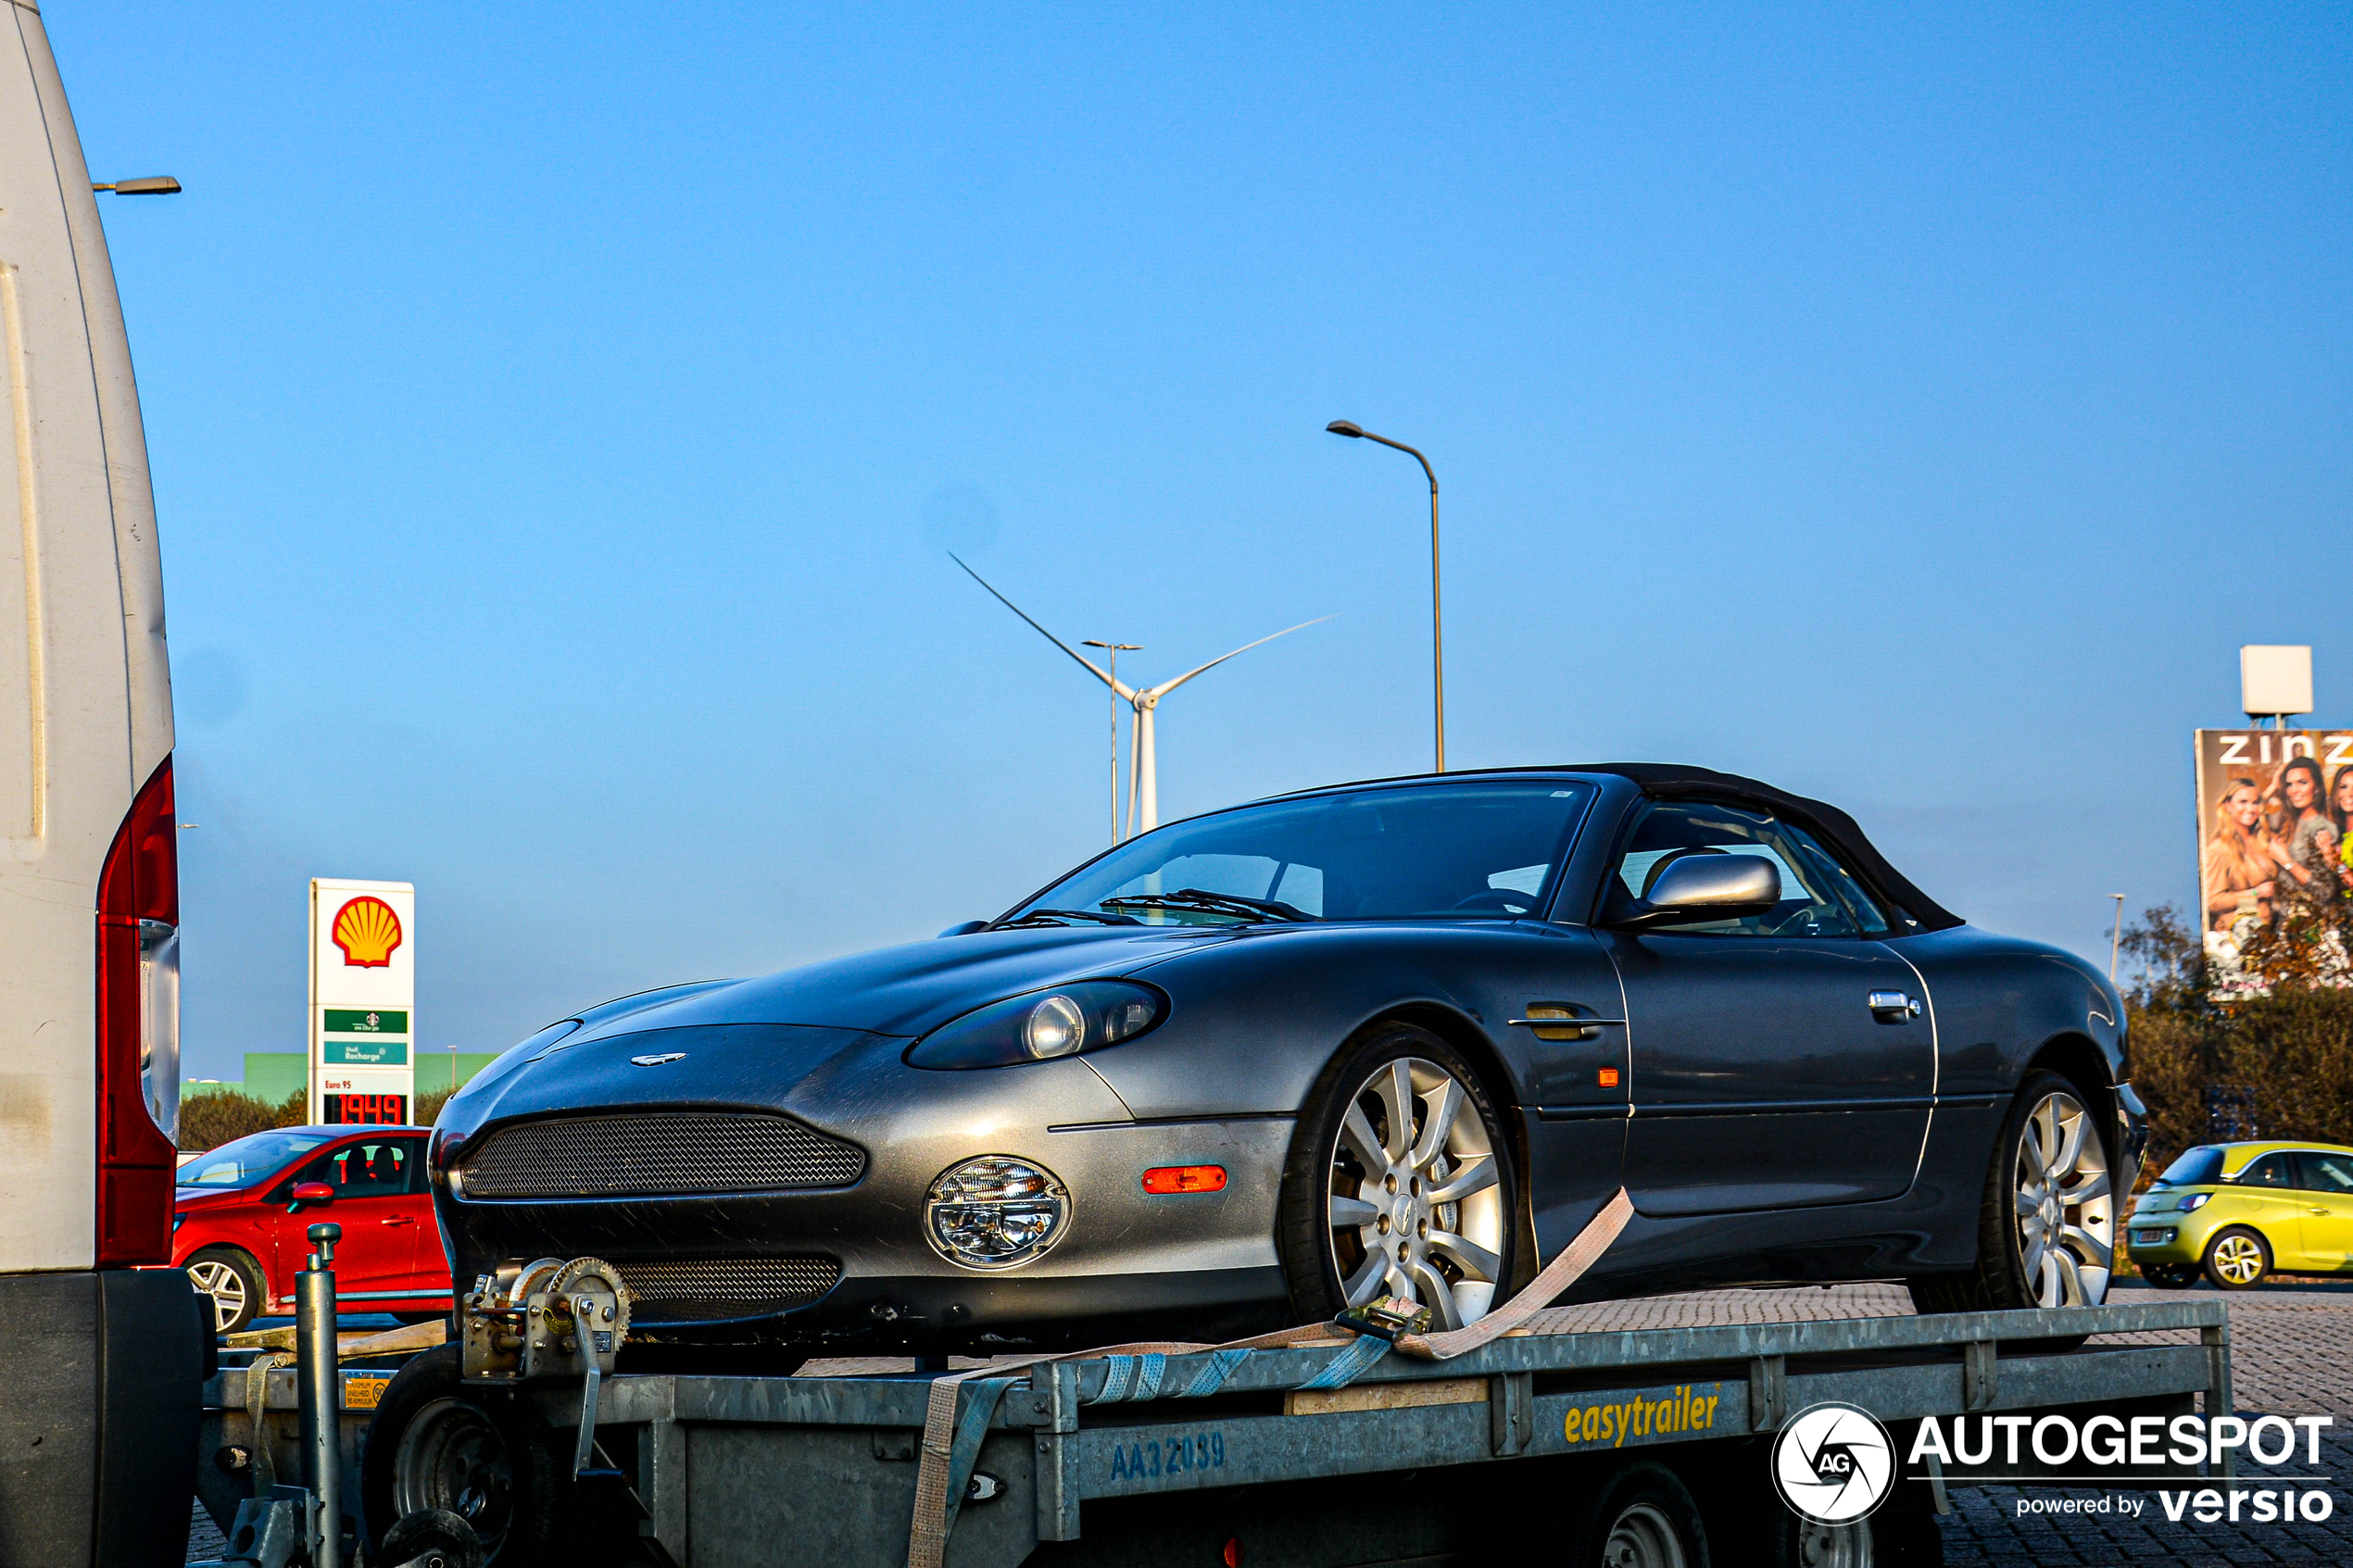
(1144, 770)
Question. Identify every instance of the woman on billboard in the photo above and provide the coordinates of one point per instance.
(2239, 871)
(2308, 885)
(2341, 813)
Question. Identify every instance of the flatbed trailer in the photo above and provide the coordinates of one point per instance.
(1136, 1460)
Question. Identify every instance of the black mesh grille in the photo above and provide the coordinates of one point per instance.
(699, 1290)
(658, 1154)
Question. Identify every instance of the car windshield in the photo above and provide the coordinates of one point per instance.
(1466, 852)
(2197, 1167)
(253, 1158)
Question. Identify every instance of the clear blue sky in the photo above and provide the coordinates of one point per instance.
(560, 415)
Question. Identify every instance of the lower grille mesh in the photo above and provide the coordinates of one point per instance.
(705, 1289)
(658, 1154)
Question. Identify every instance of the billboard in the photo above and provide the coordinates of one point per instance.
(2274, 808)
(363, 997)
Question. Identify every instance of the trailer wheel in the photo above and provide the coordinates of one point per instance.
(1643, 1518)
(435, 1443)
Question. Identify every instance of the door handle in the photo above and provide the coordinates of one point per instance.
(400, 1220)
(1894, 1006)
(2318, 1211)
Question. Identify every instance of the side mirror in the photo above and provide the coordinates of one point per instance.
(1706, 887)
(965, 928)
(306, 1194)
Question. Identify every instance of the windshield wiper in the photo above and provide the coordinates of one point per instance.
(1212, 903)
(1063, 917)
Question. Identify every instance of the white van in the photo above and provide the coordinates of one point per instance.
(101, 1350)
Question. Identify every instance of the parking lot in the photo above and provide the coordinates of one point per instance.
(2292, 1355)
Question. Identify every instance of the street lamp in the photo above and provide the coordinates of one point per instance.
(153, 185)
(1115, 650)
(1437, 636)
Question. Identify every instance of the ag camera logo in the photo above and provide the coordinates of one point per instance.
(1833, 1463)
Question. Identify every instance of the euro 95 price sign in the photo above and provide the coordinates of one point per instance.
(363, 990)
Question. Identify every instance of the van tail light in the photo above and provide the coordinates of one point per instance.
(139, 1030)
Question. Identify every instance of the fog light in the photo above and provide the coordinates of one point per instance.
(996, 1212)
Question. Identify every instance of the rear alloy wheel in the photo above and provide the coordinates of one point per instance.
(2065, 1210)
(233, 1280)
(1400, 1184)
(2238, 1259)
(2046, 1224)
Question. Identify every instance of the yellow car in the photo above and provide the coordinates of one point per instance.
(2236, 1211)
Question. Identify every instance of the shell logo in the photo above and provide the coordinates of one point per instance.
(367, 931)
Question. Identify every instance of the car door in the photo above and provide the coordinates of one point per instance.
(370, 1178)
(2326, 1226)
(1776, 1061)
(2268, 1198)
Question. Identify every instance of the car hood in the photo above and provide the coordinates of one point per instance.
(914, 989)
(814, 1030)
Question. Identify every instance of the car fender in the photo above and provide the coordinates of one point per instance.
(1252, 1021)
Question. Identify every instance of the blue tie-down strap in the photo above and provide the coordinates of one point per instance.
(1131, 1377)
(1348, 1364)
(1216, 1367)
(980, 1400)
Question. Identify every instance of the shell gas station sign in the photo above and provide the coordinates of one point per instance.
(364, 992)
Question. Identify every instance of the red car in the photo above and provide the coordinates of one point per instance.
(231, 1231)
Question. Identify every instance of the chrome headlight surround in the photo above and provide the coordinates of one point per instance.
(1041, 1026)
(996, 1211)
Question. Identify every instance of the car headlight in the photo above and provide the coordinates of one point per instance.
(995, 1212)
(2193, 1201)
(1042, 1025)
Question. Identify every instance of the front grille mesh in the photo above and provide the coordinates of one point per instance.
(658, 1154)
(706, 1289)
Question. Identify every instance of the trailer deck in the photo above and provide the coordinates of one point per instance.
(1145, 1459)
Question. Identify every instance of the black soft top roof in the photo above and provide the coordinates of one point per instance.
(1675, 781)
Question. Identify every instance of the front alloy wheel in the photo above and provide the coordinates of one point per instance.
(1416, 1208)
(233, 1286)
(2065, 1207)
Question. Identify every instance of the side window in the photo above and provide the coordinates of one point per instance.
(365, 1169)
(2271, 1171)
(2326, 1172)
(1835, 880)
(1810, 906)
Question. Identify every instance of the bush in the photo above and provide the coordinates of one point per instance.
(2290, 1046)
(208, 1120)
(427, 1109)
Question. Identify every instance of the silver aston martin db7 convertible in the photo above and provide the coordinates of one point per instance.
(1396, 1039)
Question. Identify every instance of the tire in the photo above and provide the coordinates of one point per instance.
(2238, 1259)
(2171, 1277)
(478, 1453)
(233, 1278)
(1341, 1249)
(2051, 1121)
(1643, 1518)
(434, 1538)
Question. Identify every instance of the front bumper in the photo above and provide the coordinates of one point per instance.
(1125, 1260)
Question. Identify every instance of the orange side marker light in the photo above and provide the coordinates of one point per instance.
(1185, 1178)
(1609, 1077)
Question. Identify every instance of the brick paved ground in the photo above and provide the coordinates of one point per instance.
(2292, 1355)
